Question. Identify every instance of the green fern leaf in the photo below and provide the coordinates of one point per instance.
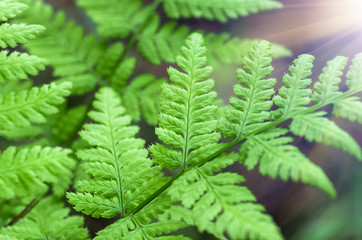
(13, 34)
(72, 55)
(217, 199)
(48, 220)
(277, 158)
(326, 89)
(21, 133)
(187, 119)
(116, 18)
(349, 108)
(15, 86)
(222, 48)
(139, 225)
(122, 176)
(133, 228)
(26, 171)
(216, 9)
(67, 124)
(26, 107)
(315, 127)
(117, 75)
(142, 96)
(10, 8)
(354, 75)
(252, 105)
(16, 66)
(161, 44)
(294, 95)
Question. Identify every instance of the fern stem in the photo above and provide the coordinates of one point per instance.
(23, 213)
(135, 36)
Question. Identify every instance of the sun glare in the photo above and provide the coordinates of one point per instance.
(353, 11)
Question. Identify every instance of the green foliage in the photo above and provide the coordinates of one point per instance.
(10, 8)
(295, 94)
(48, 220)
(26, 107)
(216, 10)
(121, 174)
(72, 55)
(16, 66)
(27, 171)
(216, 199)
(276, 157)
(122, 179)
(251, 107)
(117, 18)
(187, 119)
(141, 98)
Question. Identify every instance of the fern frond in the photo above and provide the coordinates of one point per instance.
(187, 119)
(222, 48)
(7, 237)
(158, 44)
(26, 171)
(295, 94)
(139, 225)
(10, 9)
(354, 75)
(349, 108)
(141, 97)
(116, 18)
(16, 66)
(63, 44)
(67, 123)
(220, 10)
(122, 175)
(26, 107)
(15, 86)
(134, 228)
(251, 107)
(117, 75)
(13, 34)
(327, 88)
(315, 127)
(277, 158)
(48, 220)
(217, 199)
(18, 133)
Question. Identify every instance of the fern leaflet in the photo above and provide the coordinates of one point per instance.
(326, 89)
(216, 199)
(48, 220)
(187, 119)
(122, 175)
(222, 48)
(252, 106)
(294, 95)
(315, 127)
(26, 107)
(26, 171)
(351, 107)
(10, 9)
(216, 9)
(277, 158)
(16, 66)
(116, 18)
